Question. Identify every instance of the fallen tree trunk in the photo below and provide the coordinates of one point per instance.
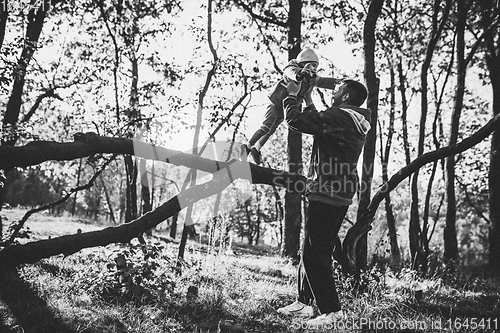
(88, 144)
(224, 174)
(34, 251)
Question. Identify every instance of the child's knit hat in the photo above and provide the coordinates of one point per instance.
(307, 54)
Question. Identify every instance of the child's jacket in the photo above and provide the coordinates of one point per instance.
(291, 71)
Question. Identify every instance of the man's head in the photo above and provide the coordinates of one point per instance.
(350, 93)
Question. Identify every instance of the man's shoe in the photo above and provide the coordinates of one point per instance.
(255, 155)
(326, 319)
(297, 309)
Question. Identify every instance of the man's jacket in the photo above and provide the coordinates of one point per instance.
(339, 137)
(291, 72)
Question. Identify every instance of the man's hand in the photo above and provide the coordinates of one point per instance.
(340, 81)
(293, 88)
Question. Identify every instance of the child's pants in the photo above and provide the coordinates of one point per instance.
(273, 118)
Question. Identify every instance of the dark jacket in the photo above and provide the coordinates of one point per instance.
(279, 92)
(339, 137)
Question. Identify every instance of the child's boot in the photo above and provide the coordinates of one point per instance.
(256, 156)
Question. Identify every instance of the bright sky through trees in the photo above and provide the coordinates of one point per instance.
(184, 45)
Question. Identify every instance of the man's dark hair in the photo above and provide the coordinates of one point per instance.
(357, 92)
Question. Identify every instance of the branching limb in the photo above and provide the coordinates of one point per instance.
(59, 201)
(48, 93)
(266, 19)
(363, 224)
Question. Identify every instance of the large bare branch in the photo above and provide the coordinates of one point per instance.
(224, 173)
(87, 144)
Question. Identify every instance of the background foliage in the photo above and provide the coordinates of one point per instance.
(82, 74)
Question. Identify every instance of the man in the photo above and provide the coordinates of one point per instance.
(339, 136)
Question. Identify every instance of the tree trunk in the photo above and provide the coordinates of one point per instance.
(404, 111)
(258, 213)
(384, 155)
(3, 22)
(108, 201)
(425, 215)
(494, 173)
(248, 216)
(3, 192)
(418, 257)
(279, 215)
(293, 201)
(36, 17)
(372, 83)
(173, 227)
(78, 174)
(133, 114)
(188, 220)
(95, 213)
(450, 231)
(123, 199)
(145, 194)
(489, 14)
(130, 189)
(437, 136)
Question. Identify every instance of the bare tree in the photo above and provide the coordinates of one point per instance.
(384, 157)
(188, 222)
(450, 232)
(36, 17)
(293, 201)
(372, 83)
(418, 258)
(490, 13)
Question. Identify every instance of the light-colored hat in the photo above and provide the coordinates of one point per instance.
(307, 54)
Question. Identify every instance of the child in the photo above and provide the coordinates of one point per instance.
(302, 69)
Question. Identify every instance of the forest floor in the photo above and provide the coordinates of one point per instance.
(237, 291)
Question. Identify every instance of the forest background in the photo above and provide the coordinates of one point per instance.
(158, 71)
(193, 76)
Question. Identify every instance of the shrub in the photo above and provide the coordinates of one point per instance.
(140, 273)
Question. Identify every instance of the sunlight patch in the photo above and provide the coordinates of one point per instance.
(218, 172)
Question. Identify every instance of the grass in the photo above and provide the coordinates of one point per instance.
(221, 293)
